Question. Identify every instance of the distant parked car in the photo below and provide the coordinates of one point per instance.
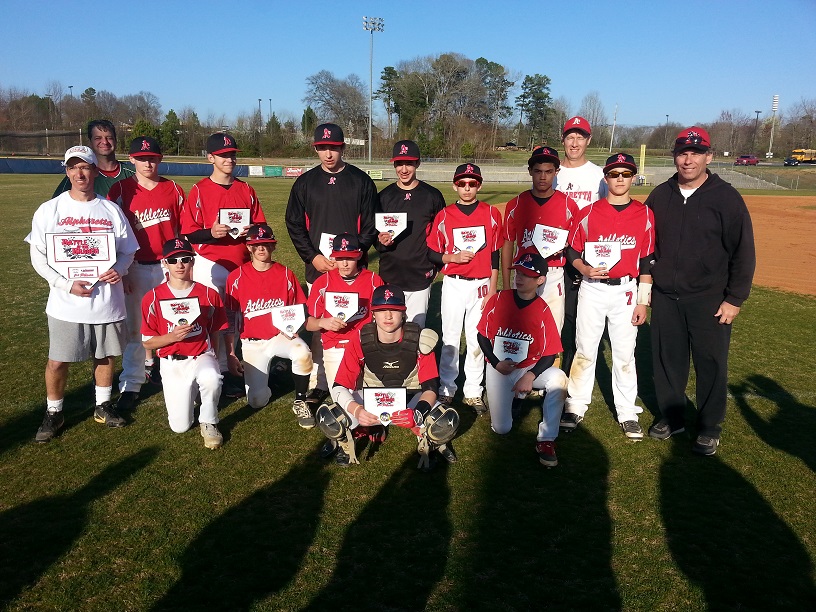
(791, 161)
(746, 160)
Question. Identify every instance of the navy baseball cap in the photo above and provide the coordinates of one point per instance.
(405, 150)
(695, 138)
(543, 155)
(221, 143)
(328, 134)
(468, 171)
(142, 146)
(177, 246)
(346, 245)
(259, 234)
(388, 297)
(620, 160)
(531, 264)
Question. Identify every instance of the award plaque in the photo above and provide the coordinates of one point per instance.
(383, 402)
(289, 319)
(514, 349)
(602, 254)
(181, 311)
(83, 257)
(325, 246)
(393, 223)
(469, 238)
(235, 218)
(549, 240)
(341, 305)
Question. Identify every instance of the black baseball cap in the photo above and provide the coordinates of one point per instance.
(346, 245)
(259, 234)
(142, 146)
(620, 160)
(177, 246)
(468, 171)
(328, 134)
(543, 155)
(531, 264)
(388, 297)
(221, 143)
(405, 150)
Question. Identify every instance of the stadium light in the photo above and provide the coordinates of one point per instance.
(774, 108)
(371, 24)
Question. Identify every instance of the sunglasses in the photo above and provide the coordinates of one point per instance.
(471, 184)
(174, 260)
(624, 174)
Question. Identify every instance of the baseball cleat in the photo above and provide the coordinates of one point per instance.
(316, 396)
(632, 430)
(477, 404)
(233, 387)
(341, 459)
(445, 400)
(706, 445)
(448, 453)
(546, 453)
(303, 414)
(127, 401)
(328, 449)
(106, 413)
(212, 437)
(51, 424)
(662, 430)
(570, 420)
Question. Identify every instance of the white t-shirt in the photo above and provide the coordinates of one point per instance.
(584, 184)
(63, 214)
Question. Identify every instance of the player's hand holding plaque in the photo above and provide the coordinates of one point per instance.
(513, 349)
(343, 305)
(289, 319)
(602, 254)
(235, 218)
(181, 311)
(469, 238)
(391, 223)
(81, 257)
(383, 402)
(549, 240)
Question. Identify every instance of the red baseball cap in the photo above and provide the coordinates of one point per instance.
(577, 123)
(692, 138)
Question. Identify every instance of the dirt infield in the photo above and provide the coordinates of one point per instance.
(784, 230)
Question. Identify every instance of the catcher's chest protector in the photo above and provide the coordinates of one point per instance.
(391, 365)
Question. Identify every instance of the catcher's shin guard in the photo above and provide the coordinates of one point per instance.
(334, 423)
(440, 427)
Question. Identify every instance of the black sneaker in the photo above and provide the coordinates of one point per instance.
(232, 386)
(448, 453)
(106, 413)
(570, 420)
(632, 430)
(662, 430)
(127, 401)
(153, 374)
(341, 458)
(316, 396)
(303, 414)
(705, 445)
(328, 449)
(51, 424)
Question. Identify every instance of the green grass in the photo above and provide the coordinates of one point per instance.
(144, 519)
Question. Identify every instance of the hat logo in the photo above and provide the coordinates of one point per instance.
(145, 145)
(528, 258)
(403, 149)
(179, 244)
(344, 244)
(227, 142)
(621, 157)
(469, 168)
(326, 133)
(576, 121)
(261, 232)
(693, 137)
(388, 294)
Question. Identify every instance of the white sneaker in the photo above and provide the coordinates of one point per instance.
(212, 437)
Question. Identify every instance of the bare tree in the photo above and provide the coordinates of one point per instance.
(343, 101)
(592, 109)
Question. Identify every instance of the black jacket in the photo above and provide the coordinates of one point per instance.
(703, 245)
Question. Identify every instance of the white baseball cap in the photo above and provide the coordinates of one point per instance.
(82, 152)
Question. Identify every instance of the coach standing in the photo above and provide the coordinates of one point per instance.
(704, 265)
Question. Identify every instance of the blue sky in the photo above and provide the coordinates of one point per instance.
(688, 59)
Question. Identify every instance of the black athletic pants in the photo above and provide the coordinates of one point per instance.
(572, 283)
(683, 328)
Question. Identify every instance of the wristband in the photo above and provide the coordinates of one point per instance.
(644, 294)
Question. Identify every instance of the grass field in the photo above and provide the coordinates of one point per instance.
(144, 519)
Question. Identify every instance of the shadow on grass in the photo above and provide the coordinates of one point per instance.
(790, 429)
(392, 555)
(549, 548)
(728, 540)
(255, 548)
(35, 535)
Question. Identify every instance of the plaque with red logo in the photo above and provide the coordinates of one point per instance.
(384, 402)
(325, 245)
(469, 238)
(602, 254)
(549, 240)
(235, 218)
(343, 305)
(181, 311)
(289, 319)
(392, 223)
(514, 349)
(82, 257)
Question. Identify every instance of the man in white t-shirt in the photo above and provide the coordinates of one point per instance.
(584, 182)
(85, 319)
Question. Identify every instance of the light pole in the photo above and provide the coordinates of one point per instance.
(71, 90)
(774, 108)
(614, 122)
(666, 135)
(371, 24)
(756, 125)
(270, 109)
(260, 122)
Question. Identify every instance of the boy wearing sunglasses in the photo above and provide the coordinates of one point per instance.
(465, 242)
(186, 344)
(611, 245)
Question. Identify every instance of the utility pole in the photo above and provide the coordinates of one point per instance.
(371, 24)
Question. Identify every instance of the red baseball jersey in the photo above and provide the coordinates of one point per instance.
(201, 210)
(351, 368)
(523, 213)
(253, 294)
(154, 214)
(363, 286)
(633, 227)
(450, 218)
(534, 323)
(212, 319)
